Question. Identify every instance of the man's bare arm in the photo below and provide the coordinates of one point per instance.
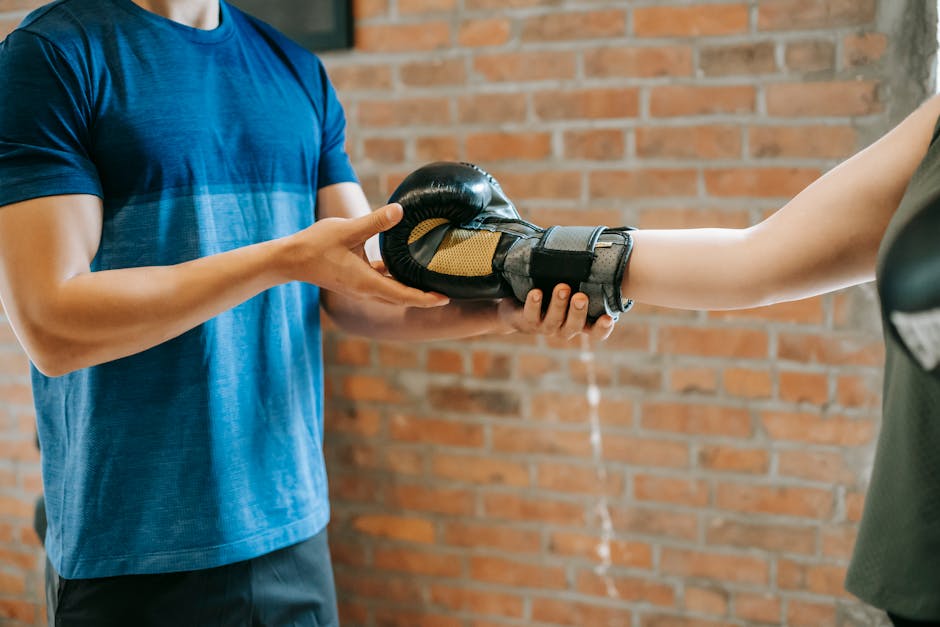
(67, 317)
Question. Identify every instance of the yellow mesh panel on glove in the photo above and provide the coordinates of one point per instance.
(465, 253)
(424, 227)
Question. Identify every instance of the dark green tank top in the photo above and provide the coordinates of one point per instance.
(896, 564)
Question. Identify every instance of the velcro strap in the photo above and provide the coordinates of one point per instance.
(565, 254)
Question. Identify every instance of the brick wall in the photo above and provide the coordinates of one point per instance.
(735, 445)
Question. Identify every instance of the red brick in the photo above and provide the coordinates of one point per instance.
(435, 500)
(498, 537)
(837, 98)
(824, 579)
(487, 147)
(477, 401)
(679, 21)
(761, 608)
(696, 142)
(491, 108)
(410, 112)
(776, 500)
(717, 566)
(595, 145)
(774, 538)
(732, 459)
(403, 528)
(435, 431)
(525, 66)
(566, 26)
(671, 620)
(398, 355)
(402, 37)
(804, 14)
(384, 150)
(360, 77)
(445, 361)
(19, 610)
(799, 387)
(433, 73)
(542, 441)
(712, 601)
(839, 542)
(628, 588)
(688, 492)
(800, 613)
(490, 365)
(587, 104)
(496, 570)
(410, 7)
(822, 466)
(366, 9)
(638, 62)
(482, 470)
(697, 419)
(357, 420)
(436, 148)
(485, 32)
(522, 508)
(622, 553)
(831, 349)
(863, 49)
(738, 59)
(814, 141)
(655, 522)
(398, 617)
(810, 56)
(714, 342)
(553, 185)
(862, 391)
(804, 311)
(747, 383)
(759, 182)
(693, 380)
(646, 452)
(578, 614)
(630, 184)
(463, 599)
(688, 100)
(811, 428)
(577, 479)
(434, 564)
(370, 388)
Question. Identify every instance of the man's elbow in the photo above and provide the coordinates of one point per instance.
(51, 355)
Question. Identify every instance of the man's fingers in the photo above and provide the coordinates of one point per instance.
(382, 219)
(390, 290)
(557, 309)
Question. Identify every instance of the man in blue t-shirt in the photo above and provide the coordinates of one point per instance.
(162, 163)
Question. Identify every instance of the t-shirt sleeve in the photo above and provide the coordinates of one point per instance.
(44, 123)
(334, 162)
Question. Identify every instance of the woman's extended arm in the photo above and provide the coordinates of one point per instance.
(824, 239)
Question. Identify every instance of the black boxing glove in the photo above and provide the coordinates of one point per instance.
(909, 287)
(461, 236)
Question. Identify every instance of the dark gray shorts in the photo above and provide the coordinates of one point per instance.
(291, 587)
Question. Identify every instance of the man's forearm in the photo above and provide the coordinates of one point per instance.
(389, 322)
(96, 317)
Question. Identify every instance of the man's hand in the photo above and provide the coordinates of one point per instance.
(566, 316)
(331, 254)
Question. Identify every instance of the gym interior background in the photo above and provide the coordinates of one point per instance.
(735, 446)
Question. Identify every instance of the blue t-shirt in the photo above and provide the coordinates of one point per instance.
(207, 449)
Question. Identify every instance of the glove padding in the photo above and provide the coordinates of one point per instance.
(461, 236)
(909, 287)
